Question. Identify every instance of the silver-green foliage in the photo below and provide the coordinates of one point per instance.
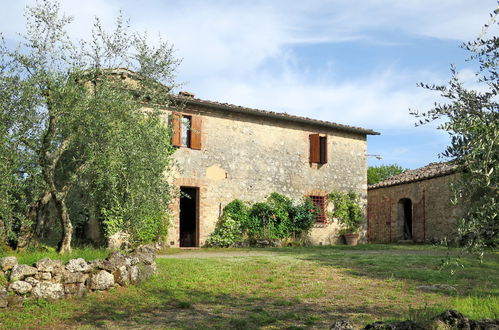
(72, 132)
(471, 118)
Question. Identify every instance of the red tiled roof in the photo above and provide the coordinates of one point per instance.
(276, 115)
(429, 171)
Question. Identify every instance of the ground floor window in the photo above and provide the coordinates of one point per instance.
(320, 203)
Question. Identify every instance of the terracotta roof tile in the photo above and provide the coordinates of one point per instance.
(429, 171)
(276, 115)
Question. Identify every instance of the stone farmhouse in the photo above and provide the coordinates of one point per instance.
(228, 152)
(414, 206)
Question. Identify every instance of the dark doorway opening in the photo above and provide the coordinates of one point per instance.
(189, 216)
(405, 207)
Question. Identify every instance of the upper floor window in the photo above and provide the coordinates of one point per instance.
(318, 149)
(186, 131)
(185, 134)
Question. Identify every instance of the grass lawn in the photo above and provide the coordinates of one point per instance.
(291, 288)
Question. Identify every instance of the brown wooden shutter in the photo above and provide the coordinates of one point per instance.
(323, 140)
(176, 129)
(315, 148)
(196, 132)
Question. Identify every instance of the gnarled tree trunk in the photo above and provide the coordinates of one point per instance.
(28, 237)
(67, 227)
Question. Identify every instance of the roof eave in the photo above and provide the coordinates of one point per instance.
(279, 116)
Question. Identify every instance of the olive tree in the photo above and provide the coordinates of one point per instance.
(471, 117)
(81, 134)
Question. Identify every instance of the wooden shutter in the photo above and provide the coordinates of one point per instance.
(196, 132)
(315, 148)
(323, 140)
(176, 129)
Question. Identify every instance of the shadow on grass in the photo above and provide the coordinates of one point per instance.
(422, 266)
(203, 309)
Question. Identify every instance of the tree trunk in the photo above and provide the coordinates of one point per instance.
(27, 237)
(67, 227)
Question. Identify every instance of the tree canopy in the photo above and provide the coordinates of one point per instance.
(376, 174)
(471, 117)
(72, 132)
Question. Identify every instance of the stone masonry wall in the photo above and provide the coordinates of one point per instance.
(248, 157)
(432, 195)
(52, 279)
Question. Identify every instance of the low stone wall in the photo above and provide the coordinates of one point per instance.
(52, 279)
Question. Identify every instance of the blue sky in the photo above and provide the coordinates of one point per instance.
(351, 62)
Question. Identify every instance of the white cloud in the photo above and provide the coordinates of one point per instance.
(225, 44)
(380, 100)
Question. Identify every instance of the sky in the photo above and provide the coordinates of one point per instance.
(350, 62)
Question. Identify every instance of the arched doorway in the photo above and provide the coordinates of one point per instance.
(405, 218)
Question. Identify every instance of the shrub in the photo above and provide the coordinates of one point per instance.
(303, 217)
(271, 219)
(347, 210)
(276, 218)
(229, 228)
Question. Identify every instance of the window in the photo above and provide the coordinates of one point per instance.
(186, 131)
(320, 203)
(318, 149)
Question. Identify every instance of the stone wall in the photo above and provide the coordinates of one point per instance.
(248, 157)
(431, 204)
(52, 279)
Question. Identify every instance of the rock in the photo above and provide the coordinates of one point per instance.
(48, 290)
(114, 261)
(436, 287)
(20, 272)
(4, 302)
(48, 265)
(78, 265)
(96, 264)
(31, 280)
(131, 261)
(453, 319)
(43, 276)
(75, 289)
(401, 325)
(135, 276)
(122, 276)
(15, 301)
(77, 277)
(486, 324)
(59, 275)
(119, 240)
(21, 287)
(146, 258)
(7, 263)
(147, 248)
(101, 280)
(3, 297)
(341, 325)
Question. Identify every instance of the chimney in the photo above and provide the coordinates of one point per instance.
(186, 94)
